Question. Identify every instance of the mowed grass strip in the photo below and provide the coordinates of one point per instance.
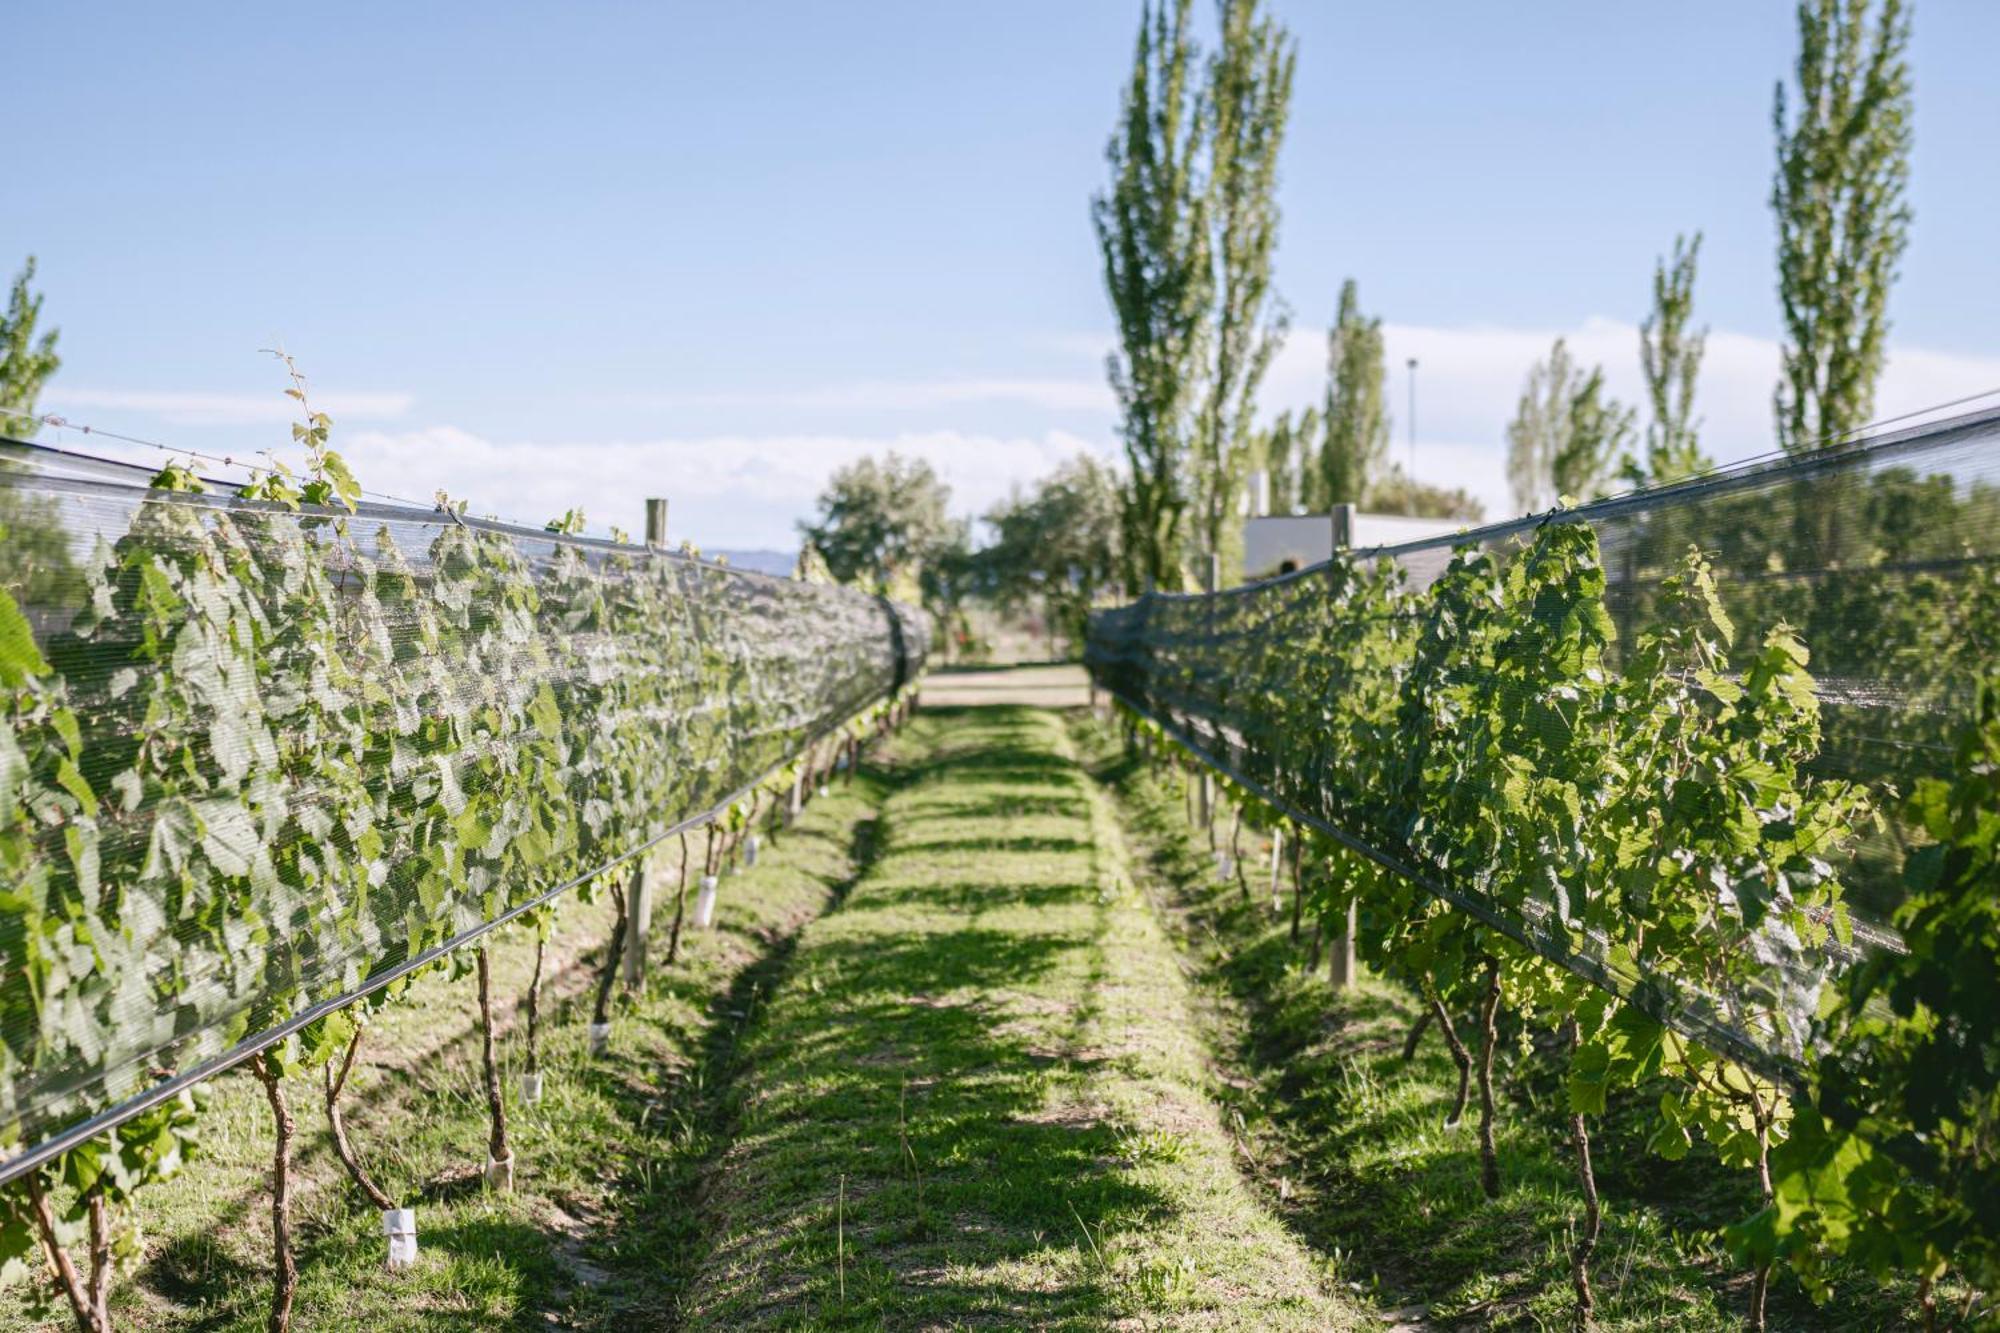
(601, 1230)
(978, 1098)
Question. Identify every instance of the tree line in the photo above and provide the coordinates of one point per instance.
(1187, 229)
(1188, 226)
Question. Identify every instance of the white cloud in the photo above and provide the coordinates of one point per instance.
(748, 488)
(230, 409)
(725, 490)
(1469, 381)
(1053, 395)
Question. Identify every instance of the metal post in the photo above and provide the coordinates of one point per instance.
(639, 928)
(1277, 858)
(656, 523)
(1341, 970)
(1412, 495)
(1343, 526)
(1205, 797)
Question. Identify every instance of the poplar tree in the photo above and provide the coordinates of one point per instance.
(1248, 98)
(1567, 434)
(1670, 358)
(1841, 198)
(36, 564)
(1288, 458)
(25, 363)
(1357, 423)
(1152, 229)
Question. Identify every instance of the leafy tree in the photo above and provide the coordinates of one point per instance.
(882, 523)
(810, 567)
(25, 363)
(36, 565)
(1357, 423)
(1840, 194)
(1394, 493)
(1567, 434)
(944, 580)
(1187, 230)
(1285, 452)
(1670, 357)
(1153, 232)
(1248, 98)
(1058, 545)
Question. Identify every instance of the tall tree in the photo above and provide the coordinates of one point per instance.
(25, 363)
(1392, 492)
(1248, 97)
(1152, 229)
(36, 566)
(1567, 434)
(1670, 358)
(1285, 451)
(1357, 422)
(883, 525)
(1057, 545)
(1841, 198)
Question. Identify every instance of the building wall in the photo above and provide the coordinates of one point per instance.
(1273, 543)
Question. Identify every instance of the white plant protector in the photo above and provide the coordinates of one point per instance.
(400, 1226)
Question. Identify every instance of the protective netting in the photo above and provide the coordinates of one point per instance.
(1542, 716)
(256, 761)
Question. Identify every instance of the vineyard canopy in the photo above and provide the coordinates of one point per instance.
(1882, 557)
(259, 761)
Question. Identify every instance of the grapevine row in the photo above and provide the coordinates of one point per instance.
(1633, 849)
(268, 751)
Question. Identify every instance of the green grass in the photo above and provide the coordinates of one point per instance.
(601, 1231)
(1349, 1141)
(944, 1064)
(978, 1098)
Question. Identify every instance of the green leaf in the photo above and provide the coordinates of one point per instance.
(20, 659)
(344, 484)
(70, 779)
(1589, 1072)
(545, 714)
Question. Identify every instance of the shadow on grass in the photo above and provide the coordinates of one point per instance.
(999, 844)
(904, 1162)
(657, 1237)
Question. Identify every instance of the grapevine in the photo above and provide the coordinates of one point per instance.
(286, 745)
(1637, 843)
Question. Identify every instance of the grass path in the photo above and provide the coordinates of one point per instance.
(978, 1098)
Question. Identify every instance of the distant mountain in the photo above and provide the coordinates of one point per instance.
(763, 561)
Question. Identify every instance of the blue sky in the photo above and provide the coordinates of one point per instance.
(545, 256)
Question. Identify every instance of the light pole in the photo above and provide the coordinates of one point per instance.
(1410, 496)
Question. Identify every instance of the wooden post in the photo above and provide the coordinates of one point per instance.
(641, 908)
(656, 523)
